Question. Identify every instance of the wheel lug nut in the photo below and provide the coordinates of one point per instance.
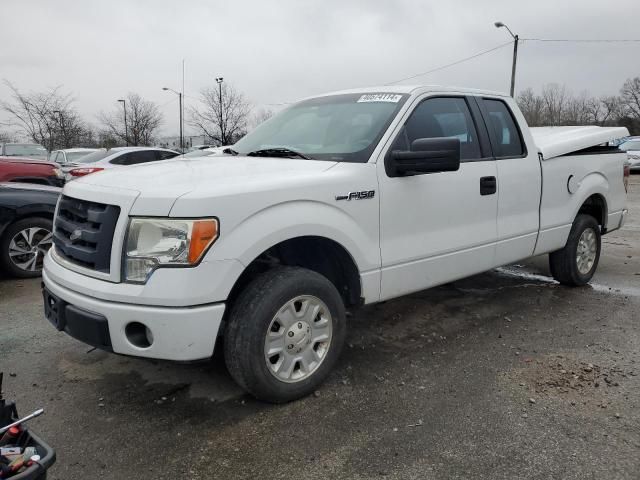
(291, 334)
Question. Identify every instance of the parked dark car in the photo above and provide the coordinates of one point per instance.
(26, 170)
(26, 216)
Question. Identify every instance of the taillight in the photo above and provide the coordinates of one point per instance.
(81, 172)
(625, 176)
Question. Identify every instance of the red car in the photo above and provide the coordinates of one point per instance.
(26, 170)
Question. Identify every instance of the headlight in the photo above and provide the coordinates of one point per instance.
(58, 173)
(156, 242)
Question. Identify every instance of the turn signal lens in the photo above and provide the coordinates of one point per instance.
(204, 233)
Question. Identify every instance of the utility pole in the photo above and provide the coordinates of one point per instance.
(223, 139)
(166, 89)
(516, 38)
(181, 137)
(61, 128)
(126, 130)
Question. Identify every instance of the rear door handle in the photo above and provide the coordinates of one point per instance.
(488, 185)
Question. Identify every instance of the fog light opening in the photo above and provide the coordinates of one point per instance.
(139, 335)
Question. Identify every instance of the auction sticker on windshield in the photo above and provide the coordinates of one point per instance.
(380, 97)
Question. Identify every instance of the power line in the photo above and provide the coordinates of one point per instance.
(442, 67)
(582, 40)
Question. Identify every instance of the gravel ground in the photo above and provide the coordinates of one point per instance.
(502, 375)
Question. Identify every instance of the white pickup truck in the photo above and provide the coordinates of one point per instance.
(340, 200)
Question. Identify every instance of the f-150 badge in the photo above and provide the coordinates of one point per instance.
(357, 195)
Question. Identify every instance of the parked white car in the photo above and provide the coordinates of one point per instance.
(340, 200)
(205, 152)
(70, 156)
(632, 147)
(115, 157)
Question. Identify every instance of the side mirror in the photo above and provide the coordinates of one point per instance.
(427, 155)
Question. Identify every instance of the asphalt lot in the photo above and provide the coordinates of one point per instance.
(502, 375)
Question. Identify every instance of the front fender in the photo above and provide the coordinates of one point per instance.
(283, 221)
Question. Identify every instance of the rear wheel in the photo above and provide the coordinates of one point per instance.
(284, 334)
(24, 245)
(577, 262)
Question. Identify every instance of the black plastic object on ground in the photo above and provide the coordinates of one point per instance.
(37, 471)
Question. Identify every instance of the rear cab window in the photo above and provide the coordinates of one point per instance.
(504, 133)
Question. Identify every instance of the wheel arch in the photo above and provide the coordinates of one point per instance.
(593, 191)
(318, 253)
(23, 213)
(596, 206)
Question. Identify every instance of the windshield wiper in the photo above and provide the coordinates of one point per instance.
(278, 152)
(230, 151)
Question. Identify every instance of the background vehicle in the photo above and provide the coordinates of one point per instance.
(200, 147)
(24, 150)
(71, 155)
(345, 199)
(26, 170)
(204, 152)
(116, 157)
(26, 215)
(632, 147)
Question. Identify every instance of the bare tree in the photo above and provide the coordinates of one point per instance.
(611, 109)
(6, 137)
(223, 114)
(630, 98)
(48, 118)
(556, 105)
(143, 119)
(261, 116)
(532, 107)
(554, 98)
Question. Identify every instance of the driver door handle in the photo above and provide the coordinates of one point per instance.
(488, 185)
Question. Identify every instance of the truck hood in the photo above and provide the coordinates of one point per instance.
(555, 141)
(164, 182)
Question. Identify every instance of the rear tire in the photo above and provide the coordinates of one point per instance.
(284, 334)
(24, 245)
(577, 262)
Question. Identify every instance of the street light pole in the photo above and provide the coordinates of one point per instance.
(126, 130)
(223, 139)
(166, 89)
(61, 127)
(515, 56)
(181, 136)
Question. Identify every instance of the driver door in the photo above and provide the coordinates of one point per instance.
(438, 227)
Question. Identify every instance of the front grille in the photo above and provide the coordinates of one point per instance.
(83, 232)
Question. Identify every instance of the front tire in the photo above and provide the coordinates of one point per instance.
(577, 262)
(284, 334)
(24, 245)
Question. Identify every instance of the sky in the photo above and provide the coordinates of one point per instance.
(276, 52)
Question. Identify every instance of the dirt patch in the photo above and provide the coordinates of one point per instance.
(566, 378)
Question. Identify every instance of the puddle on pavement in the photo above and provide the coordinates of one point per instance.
(206, 380)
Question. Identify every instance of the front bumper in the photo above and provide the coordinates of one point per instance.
(178, 333)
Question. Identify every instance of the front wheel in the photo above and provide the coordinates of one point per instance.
(284, 334)
(576, 263)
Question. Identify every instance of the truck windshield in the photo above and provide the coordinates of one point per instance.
(340, 128)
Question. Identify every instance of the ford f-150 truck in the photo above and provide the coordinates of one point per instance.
(340, 200)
